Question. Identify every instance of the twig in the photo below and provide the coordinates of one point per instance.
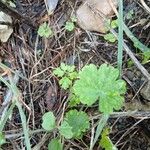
(145, 6)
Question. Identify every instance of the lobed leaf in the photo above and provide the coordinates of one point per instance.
(79, 121)
(100, 84)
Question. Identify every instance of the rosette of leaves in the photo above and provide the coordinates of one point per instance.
(67, 74)
(75, 124)
(100, 84)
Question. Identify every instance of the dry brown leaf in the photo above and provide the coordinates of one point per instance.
(89, 18)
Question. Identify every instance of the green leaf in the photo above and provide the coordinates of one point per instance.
(48, 121)
(72, 75)
(44, 30)
(55, 144)
(105, 141)
(74, 19)
(69, 26)
(110, 37)
(100, 84)
(78, 121)
(66, 130)
(146, 57)
(2, 139)
(114, 24)
(86, 87)
(58, 72)
(65, 82)
(64, 67)
(73, 101)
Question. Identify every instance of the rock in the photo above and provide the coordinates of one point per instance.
(145, 91)
(5, 30)
(92, 21)
(51, 5)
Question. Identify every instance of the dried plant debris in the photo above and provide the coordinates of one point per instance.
(5, 30)
(145, 91)
(89, 14)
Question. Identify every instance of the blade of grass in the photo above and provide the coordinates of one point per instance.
(101, 125)
(120, 36)
(136, 42)
(6, 116)
(22, 114)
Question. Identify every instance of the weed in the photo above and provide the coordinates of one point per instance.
(70, 25)
(67, 75)
(44, 30)
(91, 84)
(109, 36)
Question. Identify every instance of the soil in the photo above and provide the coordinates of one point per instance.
(35, 57)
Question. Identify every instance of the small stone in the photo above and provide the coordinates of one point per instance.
(5, 30)
(145, 91)
(90, 18)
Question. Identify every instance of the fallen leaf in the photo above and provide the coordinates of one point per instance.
(51, 98)
(5, 30)
(88, 14)
(51, 5)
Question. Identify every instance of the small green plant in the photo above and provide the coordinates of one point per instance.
(74, 124)
(130, 63)
(146, 57)
(67, 74)
(44, 30)
(70, 25)
(105, 141)
(90, 84)
(109, 36)
(129, 15)
(77, 123)
(2, 139)
(100, 84)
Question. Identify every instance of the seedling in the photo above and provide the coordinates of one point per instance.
(44, 30)
(66, 74)
(146, 57)
(77, 122)
(70, 25)
(109, 36)
(74, 125)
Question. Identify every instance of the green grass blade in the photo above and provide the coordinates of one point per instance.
(101, 125)
(120, 36)
(6, 116)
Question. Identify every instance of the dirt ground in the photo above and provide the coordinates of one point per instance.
(35, 57)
